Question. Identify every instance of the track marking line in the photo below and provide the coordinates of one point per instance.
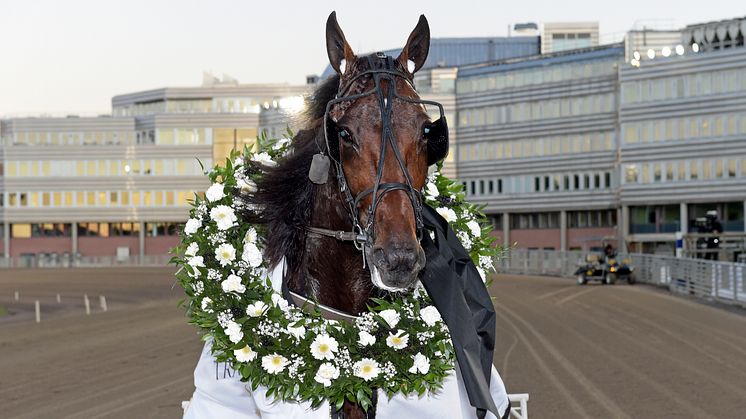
(574, 296)
(552, 293)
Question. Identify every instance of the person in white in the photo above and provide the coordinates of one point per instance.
(220, 393)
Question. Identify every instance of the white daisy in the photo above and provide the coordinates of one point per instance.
(246, 185)
(225, 254)
(224, 216)
(244, 354)
(298, 332)
(431, 190)
(326, 373)
(430, 315)
(206, 304)
(192, 249)
(390, 316)
(280, 302)
(420, 364)
(274, 363)
(282, 142)
(366, 368)
(257, 309)
(252, 255)
(447, 213)
(398, 340)
(476, 230)
(233, 284)
(264, 159)
(365, 339)
(250, 236)
(324, 346)
(215, 192)
(192, 225)
(234, 332)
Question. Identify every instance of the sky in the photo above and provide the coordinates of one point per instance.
(72, 56)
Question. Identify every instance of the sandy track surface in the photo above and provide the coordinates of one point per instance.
(618, 351)
(581, 352)
(134, 361)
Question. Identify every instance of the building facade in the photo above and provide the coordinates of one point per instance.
(537, 145)
(625, 144)
(683, 145)
(118, 186)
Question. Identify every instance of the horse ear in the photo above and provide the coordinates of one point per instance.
(418, 45)
(336, 45)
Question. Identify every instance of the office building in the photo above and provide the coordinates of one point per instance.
(116, 187)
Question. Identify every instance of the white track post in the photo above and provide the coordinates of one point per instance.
(16, 296)
(102, 302)
(87, 304)
(59, 299)
(38, 311)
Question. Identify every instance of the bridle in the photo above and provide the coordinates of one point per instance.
(381, 68)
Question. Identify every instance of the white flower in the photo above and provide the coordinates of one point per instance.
(365, 339)
(326, 373)
(430, 315)
(215, 192)
(482, 273)
(192, 225)
(233, 284)
(206, 304)
(298, 332)
(421, 364)
(447, 213)
(282, 142)
(280, 302)
(244, 354)
(263, 158)
(432, 190)
(476, 230)
(398, 340)
(225, 254)
(192, 249)
(324, 346)
(238, 161)
(274, 363)
(257, 309)
(390, 316)
(234, 332)
(196, 262)
(223, 216)
(250, 236)
(246, 186)
(252, 255)
(464, 239)
(366, 368)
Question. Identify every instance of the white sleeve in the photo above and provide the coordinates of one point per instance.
(219, 393)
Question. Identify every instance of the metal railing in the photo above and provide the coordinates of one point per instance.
(711, 280)
(78, 261)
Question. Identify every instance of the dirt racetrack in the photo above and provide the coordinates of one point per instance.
(581, 352)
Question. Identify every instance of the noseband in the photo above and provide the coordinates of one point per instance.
(381, 68)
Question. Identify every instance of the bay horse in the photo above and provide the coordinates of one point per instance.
(343, 208)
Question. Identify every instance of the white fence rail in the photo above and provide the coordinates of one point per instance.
(55, 261)
(719, 281)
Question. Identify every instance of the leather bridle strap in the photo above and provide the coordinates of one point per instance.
(341, 235)
(329, 313)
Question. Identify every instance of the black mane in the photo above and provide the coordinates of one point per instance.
(285, 193)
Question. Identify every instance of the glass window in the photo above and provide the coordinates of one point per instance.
(693, 170)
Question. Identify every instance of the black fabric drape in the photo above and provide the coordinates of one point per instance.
(458, 292)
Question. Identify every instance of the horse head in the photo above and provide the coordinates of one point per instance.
(381, 138)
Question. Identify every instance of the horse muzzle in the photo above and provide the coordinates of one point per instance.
(397, 268)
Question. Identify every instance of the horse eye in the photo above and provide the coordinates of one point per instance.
(344, 135)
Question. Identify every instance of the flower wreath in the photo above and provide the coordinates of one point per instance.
(400, 345)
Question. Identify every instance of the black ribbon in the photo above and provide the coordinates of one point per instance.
(458, 292)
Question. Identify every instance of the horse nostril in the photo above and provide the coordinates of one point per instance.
(402, 259)
(380, 258)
